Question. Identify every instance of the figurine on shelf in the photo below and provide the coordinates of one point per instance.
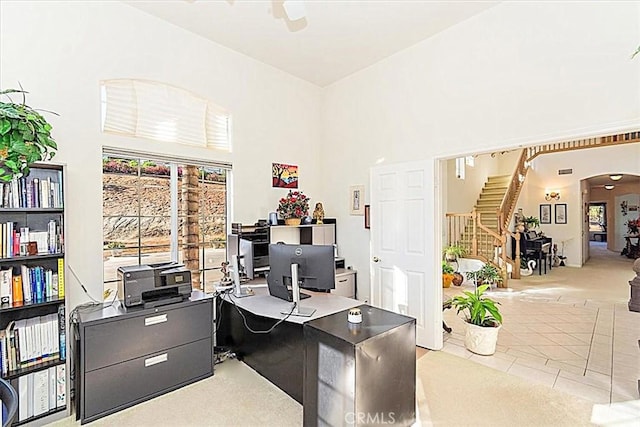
(318, 213)
(226, 278)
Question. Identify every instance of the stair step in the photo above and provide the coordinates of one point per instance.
(496, 185)
(493, 193)
(499, 178)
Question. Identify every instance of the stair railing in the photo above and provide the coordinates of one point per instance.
(479, 241)
(578, 144)
(508, 204)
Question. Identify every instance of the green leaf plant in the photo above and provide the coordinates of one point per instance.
(25, 137)
(477, 309)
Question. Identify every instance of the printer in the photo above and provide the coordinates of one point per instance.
(152, 285)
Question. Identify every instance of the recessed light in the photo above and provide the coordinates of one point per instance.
(616, 177)
(609, 186)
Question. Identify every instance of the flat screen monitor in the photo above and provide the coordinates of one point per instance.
(316, 265)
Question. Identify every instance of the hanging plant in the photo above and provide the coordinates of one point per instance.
(25, 137)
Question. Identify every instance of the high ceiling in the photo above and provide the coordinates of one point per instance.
(333, 40)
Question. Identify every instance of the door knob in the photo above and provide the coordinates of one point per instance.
(376, 259)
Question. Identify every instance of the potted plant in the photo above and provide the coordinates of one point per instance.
(531, 222)
(447, 274)
(25, 137)
(453, 252)
(116, 248)
(483, 320)
(487, 275)
(293, 207)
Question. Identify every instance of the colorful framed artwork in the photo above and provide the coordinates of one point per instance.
(356, 200)
(561, 213)
(284, 176)
(545, 214)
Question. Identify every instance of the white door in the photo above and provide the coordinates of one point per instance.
(403, 280)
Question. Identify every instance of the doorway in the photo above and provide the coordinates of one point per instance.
(598, 222)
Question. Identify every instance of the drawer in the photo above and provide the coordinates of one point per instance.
(119, 386)
(121, 339)
(345, 285)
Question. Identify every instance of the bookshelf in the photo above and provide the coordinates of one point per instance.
(33, 325)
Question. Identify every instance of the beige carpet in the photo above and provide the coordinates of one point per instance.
(235, 396)
(453, 391)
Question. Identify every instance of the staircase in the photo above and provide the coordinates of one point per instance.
(490, 200)
(478, 232)
(484, 231)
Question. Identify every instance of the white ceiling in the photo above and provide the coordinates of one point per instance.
(334, 40)
(599, 181)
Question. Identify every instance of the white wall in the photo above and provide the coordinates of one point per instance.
(59, 51)
(519, 73)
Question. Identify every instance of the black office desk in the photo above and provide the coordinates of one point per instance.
(278, 356)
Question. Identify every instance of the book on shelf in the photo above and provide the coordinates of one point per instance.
(6, 286)
(23, 398)
(62, 335)
(26, 283)
(16, 293)
(61, 382)
(3, 353)
(60, 278)
(36, 192)
(53, 387)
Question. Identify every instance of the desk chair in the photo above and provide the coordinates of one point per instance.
(9, 399)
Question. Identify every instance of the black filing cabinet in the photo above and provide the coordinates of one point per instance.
(360, 374)
(127, 356)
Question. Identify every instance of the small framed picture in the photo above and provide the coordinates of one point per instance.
(561, 213)
(356, 200)
(366, 217)
(545, 214)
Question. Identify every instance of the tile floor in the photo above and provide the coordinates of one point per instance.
(569, 329)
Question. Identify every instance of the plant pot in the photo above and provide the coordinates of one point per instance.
(116, 252)
(447, 279)
(481, 339)
(292, 221)
(458, 278)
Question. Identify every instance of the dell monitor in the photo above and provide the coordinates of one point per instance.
(314, 266)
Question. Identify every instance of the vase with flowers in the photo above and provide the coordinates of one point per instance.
(293, 207)
(633, 226)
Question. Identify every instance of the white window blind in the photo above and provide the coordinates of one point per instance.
(160, 112)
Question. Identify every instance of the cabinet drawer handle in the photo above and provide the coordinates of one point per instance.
(155, 360)
(148, 321)
(343, 280)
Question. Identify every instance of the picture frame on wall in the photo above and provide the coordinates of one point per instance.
(561, 213)
(545, 214)
(356, 200)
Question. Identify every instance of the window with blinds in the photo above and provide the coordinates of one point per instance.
(160, 112)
